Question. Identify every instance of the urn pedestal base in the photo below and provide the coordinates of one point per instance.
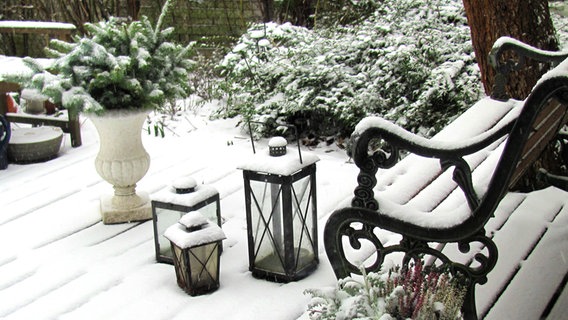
(121, 209)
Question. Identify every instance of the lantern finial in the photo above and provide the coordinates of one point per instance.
(184, 185)
(277, 146)
(193, 221)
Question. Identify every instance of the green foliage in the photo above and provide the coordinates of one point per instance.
(410, 62)
(414, 293)
(119, 65)
(333, 12)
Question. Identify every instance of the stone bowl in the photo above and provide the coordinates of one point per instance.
(37, 144)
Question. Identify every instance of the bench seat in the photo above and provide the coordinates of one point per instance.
(417, 190)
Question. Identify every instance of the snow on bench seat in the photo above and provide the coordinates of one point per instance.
(417, 190)
(533, 248)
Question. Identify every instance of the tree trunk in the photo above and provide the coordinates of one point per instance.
(297, 12)
(525, 20)
(528, 21)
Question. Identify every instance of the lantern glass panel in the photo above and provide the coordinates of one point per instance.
(197, 268)
(165, 218)
(210, 212)
(179, 261)
(303, 222)
(270, 213)
(267, 226)
(204, 263)
(167, 214)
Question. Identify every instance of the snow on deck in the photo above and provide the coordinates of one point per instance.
(57, 260)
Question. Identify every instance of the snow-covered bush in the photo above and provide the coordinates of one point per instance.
(390, 294)
(411, 62)
(118, 65)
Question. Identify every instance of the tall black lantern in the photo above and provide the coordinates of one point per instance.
(171, 203)
(281, 211)
(196, 247)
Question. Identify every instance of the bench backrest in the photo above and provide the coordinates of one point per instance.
(544, 113)
(545, 127)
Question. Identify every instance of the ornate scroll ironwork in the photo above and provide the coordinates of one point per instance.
(341, 227)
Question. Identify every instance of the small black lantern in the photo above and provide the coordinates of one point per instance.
(196, 247)
(171, 203)
(281, 211)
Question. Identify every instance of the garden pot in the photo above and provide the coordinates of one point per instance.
(122, 161)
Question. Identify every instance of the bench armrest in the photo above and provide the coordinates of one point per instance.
(505, 64)
(378, 143)
(395, 138)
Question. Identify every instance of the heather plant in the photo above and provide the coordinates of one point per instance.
(409, 61)
(409, 293)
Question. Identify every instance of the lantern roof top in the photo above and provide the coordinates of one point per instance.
(202, 192)
(179, 235)
(284, 165)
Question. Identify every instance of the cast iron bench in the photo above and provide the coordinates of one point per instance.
(429, 204)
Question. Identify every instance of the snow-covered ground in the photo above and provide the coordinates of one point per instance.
(57, 260)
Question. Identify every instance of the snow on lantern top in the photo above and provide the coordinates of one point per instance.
(182, 193)
(193, 230)
(285, 164)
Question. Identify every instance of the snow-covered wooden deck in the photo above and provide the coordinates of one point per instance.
(57, 260)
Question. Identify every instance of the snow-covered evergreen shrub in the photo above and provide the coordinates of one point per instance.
(414, 293)
(411, 62)
(118, 65)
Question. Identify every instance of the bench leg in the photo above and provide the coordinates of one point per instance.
(75, 130)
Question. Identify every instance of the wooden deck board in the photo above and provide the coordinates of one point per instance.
(536, 276)
(517, 241)
(558, 310)
(532, 238)
(75, 267)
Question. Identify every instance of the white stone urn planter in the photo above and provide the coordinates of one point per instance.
(122, 161)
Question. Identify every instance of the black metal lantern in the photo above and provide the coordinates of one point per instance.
(171, 203)
(196, 247)
(281, 210)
